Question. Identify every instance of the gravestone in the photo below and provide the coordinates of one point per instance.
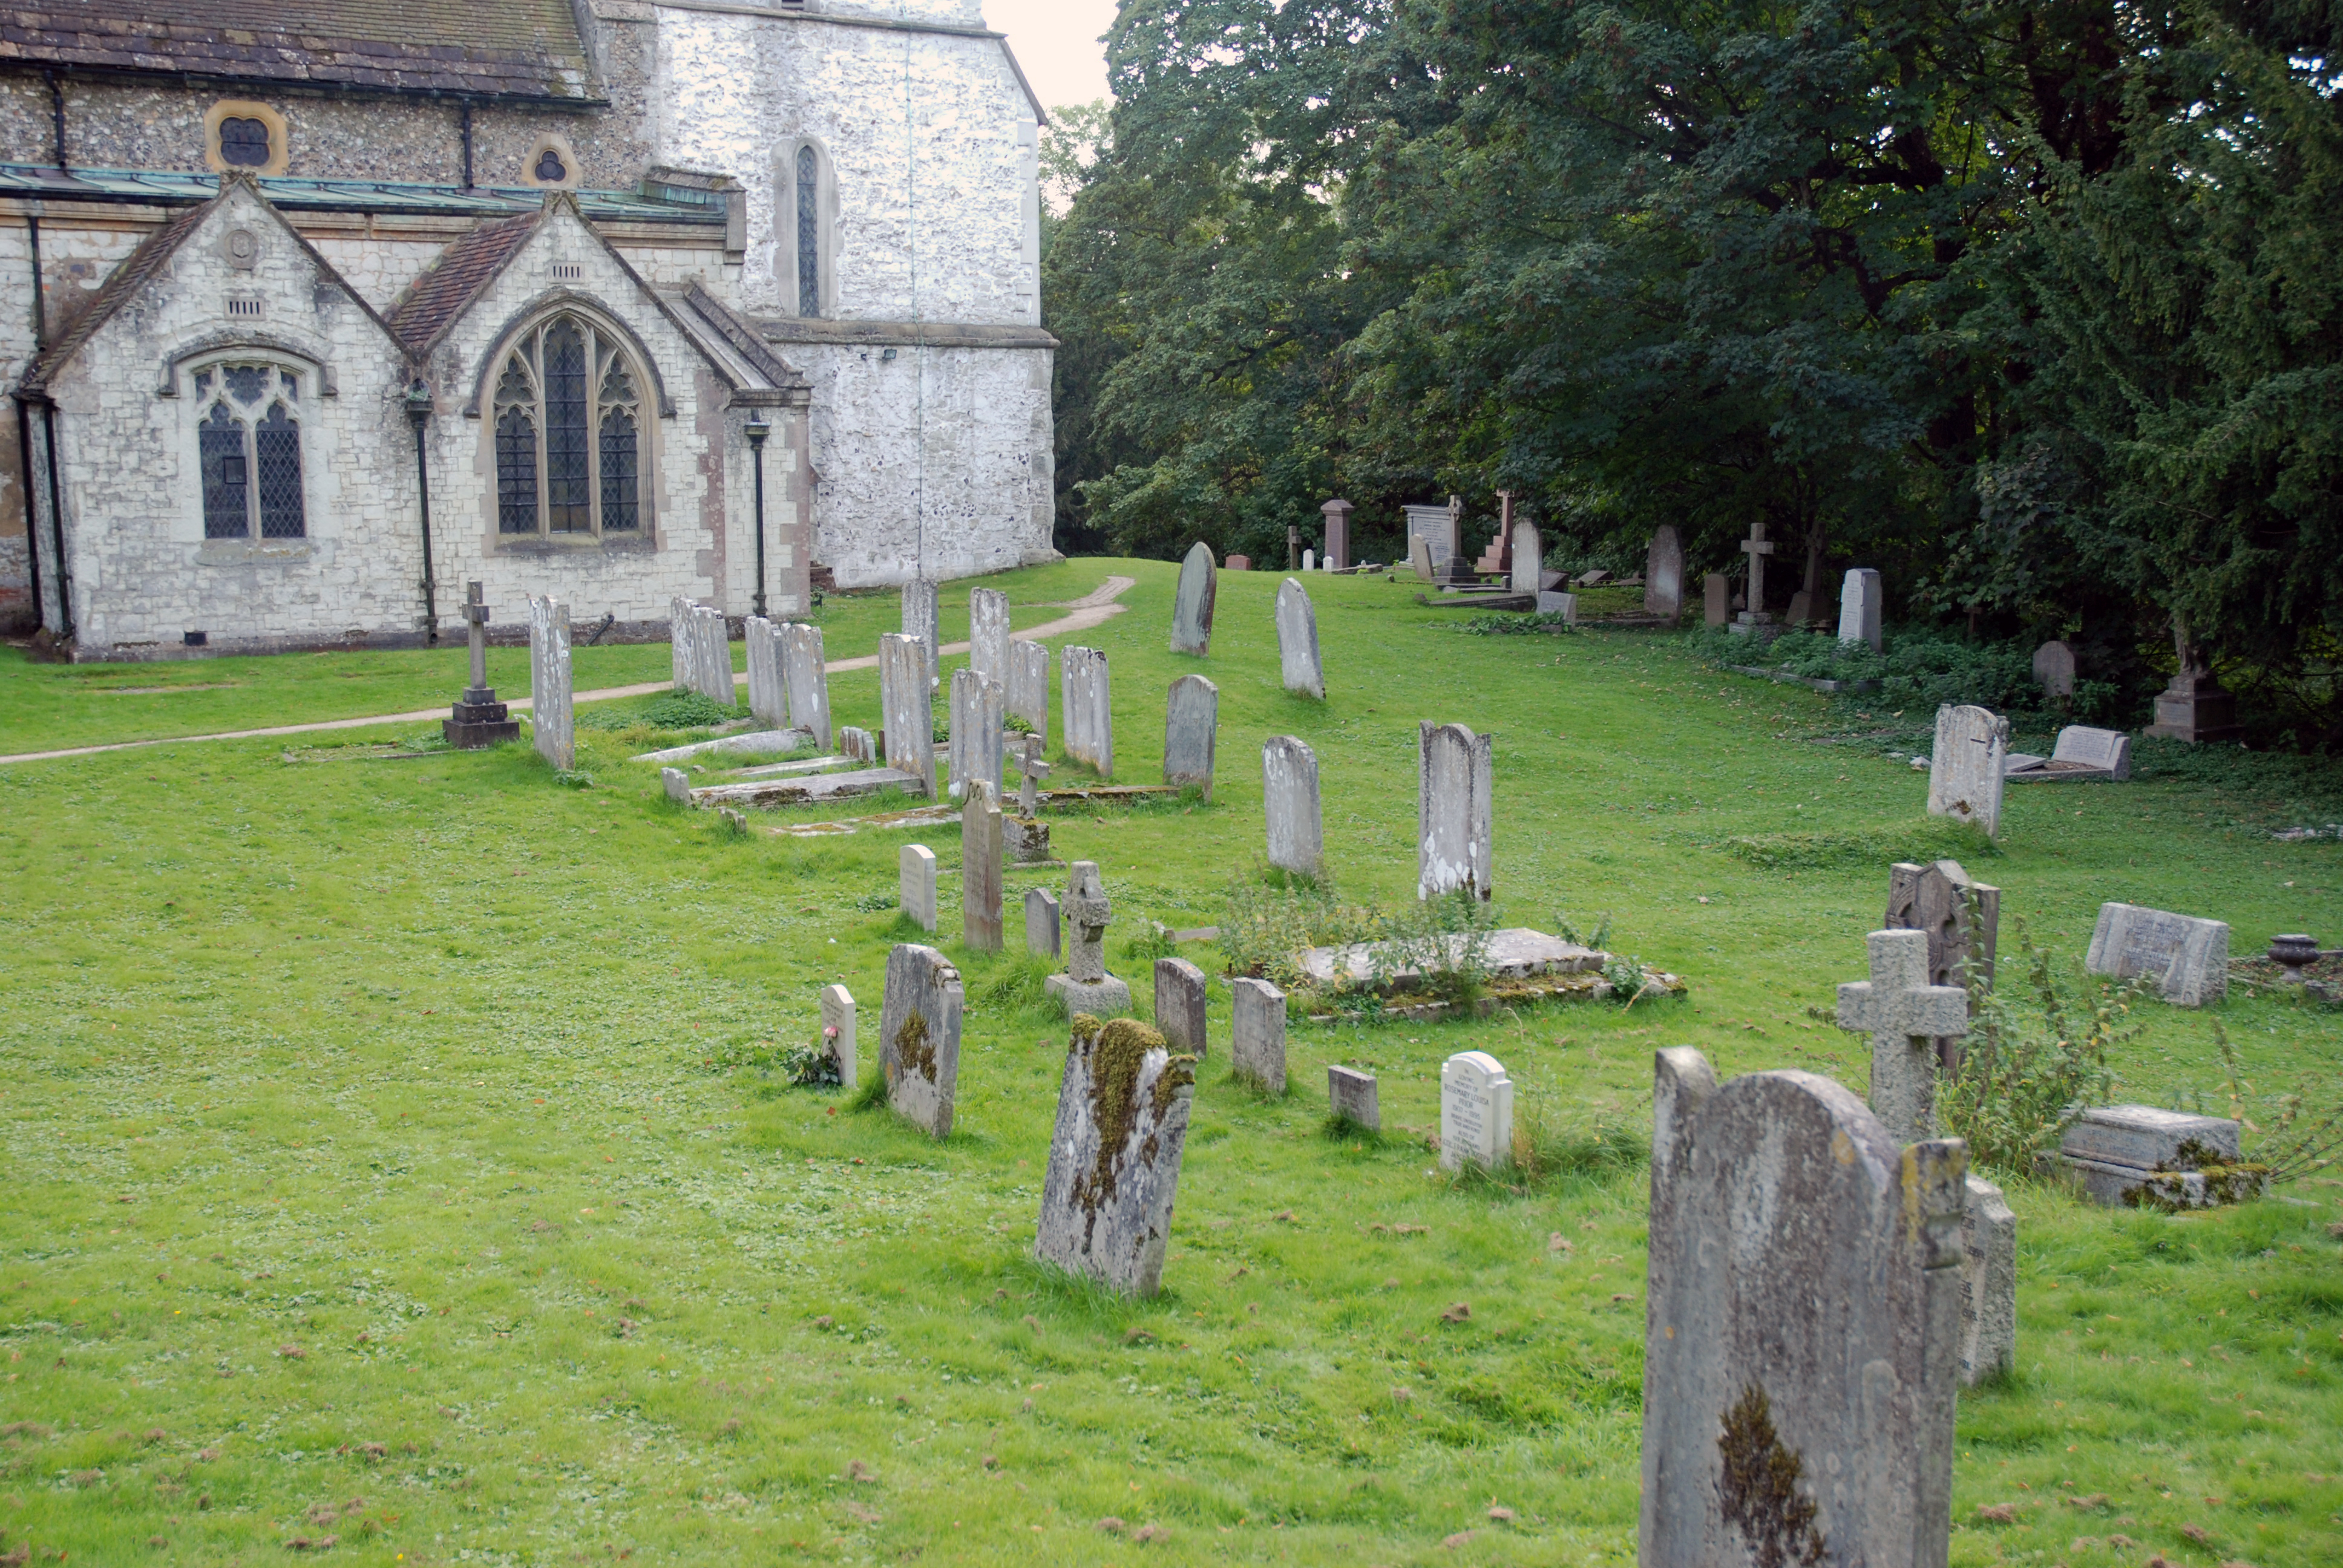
(1476, 1111)
(1041, 922)
(1192, 610)
(2137, 1156)
(1192, 728)
(1086, 987)
(1803, 1327)
(1257, 1033)
(769, 700)
(552, 726)
(1419, 558)
(805, 678)
(918, 1029)
(2188, 958)
(1237, 564)
(1529, 557)
(838, 1032)
(1115, 1155)
(1351, 1095)
(1859, 605)
(858, 744)
(979, 864)
(478, 718)
(922, 619)
(1289, 777)
(1028, 686)
(711, 647)
(1988, 1282)
(1904, 1015)
(1297, 641)
(915, 881)
(1310, 560)
(1025, 835)
(978, 707)
(1180, 1005)
(1969, 766)
(1962, 920)
(677, 784)
(907, 709)
(2054, 668)
(1663, 574)
(1455, 779)
(1337, 513)
(1758, 549)
(1564, 605)
(1801, 610)
(680, 659)
(1086, 713)
(987, 634)
(1716, 599)
(1440, 531)
(2081, 754)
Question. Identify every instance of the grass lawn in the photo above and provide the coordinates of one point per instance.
(387, 1161)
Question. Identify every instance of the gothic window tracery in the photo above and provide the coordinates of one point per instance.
(809, 208)
(568, 423)
(248, 445)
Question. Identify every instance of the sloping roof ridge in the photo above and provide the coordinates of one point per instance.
(136, 269)
(438, 298)
(742, 335)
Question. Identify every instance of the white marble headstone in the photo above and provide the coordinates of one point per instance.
(1476, 1111)
(1289, 774)
(1969, 766)
(552, 725)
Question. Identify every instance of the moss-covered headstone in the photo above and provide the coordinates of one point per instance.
(1114, 1159)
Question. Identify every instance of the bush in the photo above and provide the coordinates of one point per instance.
(2028, 1070)
(1264, 925)
(667, 711)
(1917, 670)
(1445, 941)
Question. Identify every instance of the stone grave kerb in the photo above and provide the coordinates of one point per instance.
(1904, 1015)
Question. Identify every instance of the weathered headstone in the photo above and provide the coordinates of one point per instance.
(1086, 987)
(552, 726)
(1859, 607)
(1192, 610)
(805, 678)
(1041, 922)
(1297, 641)
(769, 699)
(1529, 557)
(2188, 958)
(682, 661)
(1716, 599)
(907, 709)
(478, 718)
(677, 784)
(1564, 605)
(980, 865)
(1969, 766)
(1257, 1033)
(1310, 560)
(1439, 529)
(1419, 558)
(1337, 513)
(2054, 668)
(977, 709)
(1988, 1282)
(1085, 707)
(1028, 686)
(1803, 1328)
(1115, 1155)
(1351, 1095)
(915, 881)
(1237, 564)
(1455, 813)
(1180, 1005)
(923, 620)
(1476, 1111)
(918, 1046)
(1289, 777)
(1192, 728)
(1904, 1016)
(987, 634)
(2138, 1156)
(712, 646)
(1962, 920)
(838, 1032)
(859, 744)
(1663, 574)
(1801, 610)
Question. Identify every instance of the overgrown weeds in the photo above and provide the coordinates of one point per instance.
(1266, 927)
(2029, 1067)
(2304, 1136)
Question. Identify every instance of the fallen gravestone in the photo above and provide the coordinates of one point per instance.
(1351, 1097)
(1180, 1005)
(919, 1028)
(2137, 1156)
(552, 723)
(805, 678)
(1191, 609)
(1029, 687)
(1257, 1033)
(987, 634)
(915, 880)
(979, 864)
(1086, 987)
(1192, 728)
(1859, 605)
(907, 709)
(1804, 1326)
(923, 620)
(1297, 641)
(1968, 767)
(2188, 958)
(2080, 755)
(1115, 1155)
(838, 1032)
(1716, 599)
(2054, 669)
(1664, 575)
(1085, 708)
(1289, 771)
(1041, 922)
(1476, 1111)
(769, 700)
(1455, 778)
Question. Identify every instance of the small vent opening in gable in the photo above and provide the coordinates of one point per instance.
(244, 306)
(568, 271)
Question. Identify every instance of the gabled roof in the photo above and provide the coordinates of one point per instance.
(434, 301)
(526, 50)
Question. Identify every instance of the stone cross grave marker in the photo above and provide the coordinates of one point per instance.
(769, 699)
(1025, 835)
(1257, 1033)
(1803, 1327)
(1859, 605)
(805, 679)
(1191, 728)
(919, 1027)
(1192, 610)
(1351, 1095)
(552, 726)
(1756, 546)
(980, 865)
(1180, 1005)
(1337, 513)
(978, 709)
(915, 880)
(906, 709)
(681, 662)
(1297, 641)
(2054, 668)
(1476, 1111)
(1289, 773)
(1529, 557)
(1028, 686)
(711, 647)
(1904, 1015)
(1086, 709)
(923, 620)
(478, 720)
(2188, 957)
(1454, 814)
(838, 1032)
(1115, 1155)
(1969, 765)
(1962, 919)
(1086, 987)
(1716, 599)
(1663, 574)
(1041, 922)
(987, 634)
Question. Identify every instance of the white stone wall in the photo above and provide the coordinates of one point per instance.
(378, 269)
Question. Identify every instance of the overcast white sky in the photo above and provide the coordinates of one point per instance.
(1057, 42)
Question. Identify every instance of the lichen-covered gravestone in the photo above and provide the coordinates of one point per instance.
(1041, 922)
(1962, 920)
(1476, 1111)
(980, 865)
(712, 646)
(805, 676)
(1257, 1033)
(1086, 713)
(838, 1031)
(1191, 609)
(1115, 1155)
(1350, 1096)
(923, 620)
(1663, 574)
(987, 634)
(769, 700)
(552, 726)
(1455, 813)
(915, 874)
(2138, 1156)
(1086, 987)
(907, 709)
(1191, 730)
(2188, 957)
(1028, 686)
(919, 1028)
(1289, 776)
(1969, 766)
(1297, 641)
(978, 707)
(1180, 1005)
(1803, 1328)
(679, 642)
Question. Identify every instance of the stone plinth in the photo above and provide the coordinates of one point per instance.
(2195, 707)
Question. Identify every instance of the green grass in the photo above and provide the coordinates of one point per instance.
(386, 1142)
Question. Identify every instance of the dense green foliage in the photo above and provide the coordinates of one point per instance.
(2031, 305)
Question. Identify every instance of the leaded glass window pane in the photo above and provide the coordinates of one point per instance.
(247, 384)
(809, 232)
(244, 143)
(568, 491)
(619, 458)
(227, 507)
(276, 456)
(515, 473)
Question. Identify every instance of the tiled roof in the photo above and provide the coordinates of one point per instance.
(133, 274)
(166, 188)
(525, 49)
(456, 279)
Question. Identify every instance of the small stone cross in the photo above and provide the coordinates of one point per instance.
(1087, 912)
(476, 611)
(1757, 547)
(1904, 1015)
(1033, 771)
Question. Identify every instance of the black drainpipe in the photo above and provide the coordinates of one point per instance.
(467, 126)
(57, 114)
(57, 522)
(25, 428)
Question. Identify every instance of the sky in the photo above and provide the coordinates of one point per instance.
(1057, 42)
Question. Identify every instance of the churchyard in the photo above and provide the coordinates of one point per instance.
(403, 1164)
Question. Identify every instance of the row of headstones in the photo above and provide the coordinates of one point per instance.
(1198, 596)
(1455, 808)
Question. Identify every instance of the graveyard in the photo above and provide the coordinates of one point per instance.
(405, 1167)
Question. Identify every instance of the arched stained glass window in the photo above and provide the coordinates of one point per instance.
(248, 449)
(568, 433)
(808, 206)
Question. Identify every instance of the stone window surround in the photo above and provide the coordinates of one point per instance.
(785, 223)
(256, 550)
(279, 142)
(557, 143)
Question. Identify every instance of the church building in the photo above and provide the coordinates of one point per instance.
(312, 311)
